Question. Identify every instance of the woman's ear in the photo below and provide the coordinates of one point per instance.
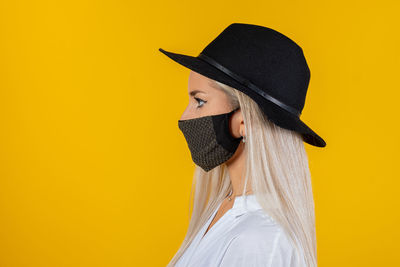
(238, 123)
(242, 131)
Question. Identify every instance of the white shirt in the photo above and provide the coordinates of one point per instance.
(244, 236)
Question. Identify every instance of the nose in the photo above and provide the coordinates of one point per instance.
(184, 116)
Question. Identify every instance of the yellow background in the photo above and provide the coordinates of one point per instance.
(94, 170)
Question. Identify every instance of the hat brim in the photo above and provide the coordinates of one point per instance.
(276, 114)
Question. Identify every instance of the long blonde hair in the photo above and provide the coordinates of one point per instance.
(277, 163)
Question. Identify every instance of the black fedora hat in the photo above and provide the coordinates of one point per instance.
(264, 64)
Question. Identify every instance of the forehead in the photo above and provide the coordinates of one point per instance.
(200, 82)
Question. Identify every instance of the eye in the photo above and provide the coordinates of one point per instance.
(200, 100)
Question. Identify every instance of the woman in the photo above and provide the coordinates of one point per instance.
(253, 202)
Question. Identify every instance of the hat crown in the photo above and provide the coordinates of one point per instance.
(267, 58)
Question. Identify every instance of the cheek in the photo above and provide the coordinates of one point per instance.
(217, 105)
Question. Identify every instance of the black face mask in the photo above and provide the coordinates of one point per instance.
(209, 139)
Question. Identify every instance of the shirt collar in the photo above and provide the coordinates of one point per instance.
(245, 203)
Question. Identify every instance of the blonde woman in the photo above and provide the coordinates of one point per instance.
(253, 201)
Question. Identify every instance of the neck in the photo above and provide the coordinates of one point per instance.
(236, 170)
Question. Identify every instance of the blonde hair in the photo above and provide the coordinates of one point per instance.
(277, 163)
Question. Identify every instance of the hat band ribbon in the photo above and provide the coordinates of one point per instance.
(248, 84)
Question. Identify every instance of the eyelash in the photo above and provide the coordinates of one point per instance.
(198, 99)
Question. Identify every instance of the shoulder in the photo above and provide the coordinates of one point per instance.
(256, 226)
(256, 230)
(256, 239)
(261, 243)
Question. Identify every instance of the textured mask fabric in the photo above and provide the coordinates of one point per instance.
(209, 139)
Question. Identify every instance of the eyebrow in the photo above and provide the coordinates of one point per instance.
(192, 93)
